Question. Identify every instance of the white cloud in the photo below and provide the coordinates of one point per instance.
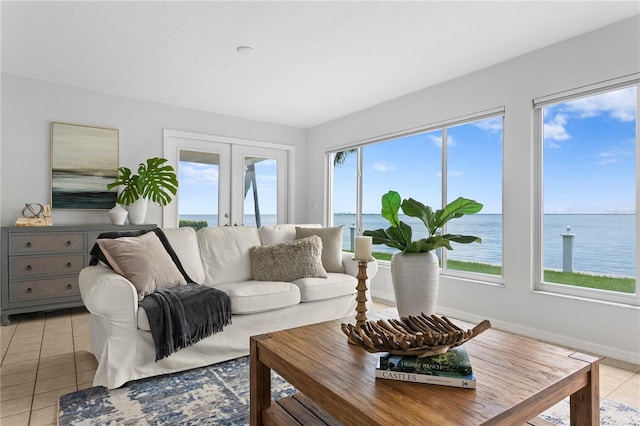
(554, 128)
(267, 162)
(612, 156)
(198, 174)
(437, 140)
(491, 124)
(383, 167)
(620, 105)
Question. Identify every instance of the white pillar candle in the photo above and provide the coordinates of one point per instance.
(363, 248)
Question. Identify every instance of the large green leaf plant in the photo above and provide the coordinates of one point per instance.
(155, 181)
(399, 234)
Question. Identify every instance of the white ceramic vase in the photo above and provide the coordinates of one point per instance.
(416, 278)
(118, 215)
(138, 211)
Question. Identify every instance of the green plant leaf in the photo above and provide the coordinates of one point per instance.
(129, 182)
(415, 208)
(158, 181)
(380, 236)
(455, 209)
(462, 239)
(390, 207)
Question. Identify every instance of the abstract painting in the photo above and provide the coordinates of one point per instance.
(84, 160)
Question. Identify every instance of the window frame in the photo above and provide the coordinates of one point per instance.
(539, 285)
(442, 126)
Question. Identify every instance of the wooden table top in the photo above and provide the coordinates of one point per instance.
(517, 379)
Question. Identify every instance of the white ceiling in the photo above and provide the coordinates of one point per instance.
(311, 62)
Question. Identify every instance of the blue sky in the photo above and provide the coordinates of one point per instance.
(589, 164)
(589, 154)
(589, 161)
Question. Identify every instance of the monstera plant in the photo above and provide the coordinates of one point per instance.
(155, 181)
(415, 270)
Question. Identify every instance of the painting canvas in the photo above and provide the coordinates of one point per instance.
(84, 160)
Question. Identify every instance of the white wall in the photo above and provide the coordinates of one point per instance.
(610, 52)
(29, 106)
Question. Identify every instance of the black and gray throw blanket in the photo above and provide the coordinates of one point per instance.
(183, 315)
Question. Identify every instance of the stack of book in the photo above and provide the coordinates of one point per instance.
(452, 368)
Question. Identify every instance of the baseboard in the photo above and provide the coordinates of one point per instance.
(554, 338)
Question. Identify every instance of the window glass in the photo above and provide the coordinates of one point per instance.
(474, 170)
(198, 191)
(411, 166)
(260, 191)
(345, 173)
(589, 183)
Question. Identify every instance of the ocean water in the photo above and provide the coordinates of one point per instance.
(603, 244)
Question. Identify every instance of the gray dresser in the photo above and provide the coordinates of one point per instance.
(40, 265)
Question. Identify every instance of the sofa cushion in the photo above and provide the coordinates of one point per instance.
(331, 245)
(271, 235)
(250, 297)
(335, 285)
(185, 244)
(225, 253)
(144, 261)
(288, 261)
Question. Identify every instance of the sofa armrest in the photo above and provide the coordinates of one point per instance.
(107, 293)
(351, 265)
(113, 303)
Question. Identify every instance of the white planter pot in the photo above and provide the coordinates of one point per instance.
(416, 278)
(118, 215)
(138, 211)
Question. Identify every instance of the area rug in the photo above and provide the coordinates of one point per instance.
(219, 395)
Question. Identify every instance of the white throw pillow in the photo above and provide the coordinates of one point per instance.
(184, 242)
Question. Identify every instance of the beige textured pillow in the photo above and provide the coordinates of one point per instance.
(288, 261)
(142, 260)
(331, 245)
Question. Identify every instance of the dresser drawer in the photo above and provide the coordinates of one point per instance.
(20, 291)
(27, 266)
(46, 243)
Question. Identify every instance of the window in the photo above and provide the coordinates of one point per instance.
(589, 186)
(467, 151)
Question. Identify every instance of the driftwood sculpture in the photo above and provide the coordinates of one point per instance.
(414, 335)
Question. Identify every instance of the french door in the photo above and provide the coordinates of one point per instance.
(227, 182)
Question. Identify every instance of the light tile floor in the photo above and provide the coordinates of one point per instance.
(46, 355)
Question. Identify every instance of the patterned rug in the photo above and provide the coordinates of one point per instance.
(219, 394)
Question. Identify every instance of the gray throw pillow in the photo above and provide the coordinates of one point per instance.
(331, 245)
(144, 261)
(288, 261)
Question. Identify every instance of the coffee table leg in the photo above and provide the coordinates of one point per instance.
(260, 382)
(585, 403)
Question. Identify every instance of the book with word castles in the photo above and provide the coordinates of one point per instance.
(452, 368)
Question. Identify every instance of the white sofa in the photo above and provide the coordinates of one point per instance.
(218, 257)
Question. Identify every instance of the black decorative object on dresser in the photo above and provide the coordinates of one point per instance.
(40, 265)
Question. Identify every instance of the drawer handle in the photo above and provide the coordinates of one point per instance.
(68, 244)
(29, 290)
(69, 286)
(29, 267)
(68, 265)
(28, 244)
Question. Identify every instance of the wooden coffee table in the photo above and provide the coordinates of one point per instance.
(518, 378)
